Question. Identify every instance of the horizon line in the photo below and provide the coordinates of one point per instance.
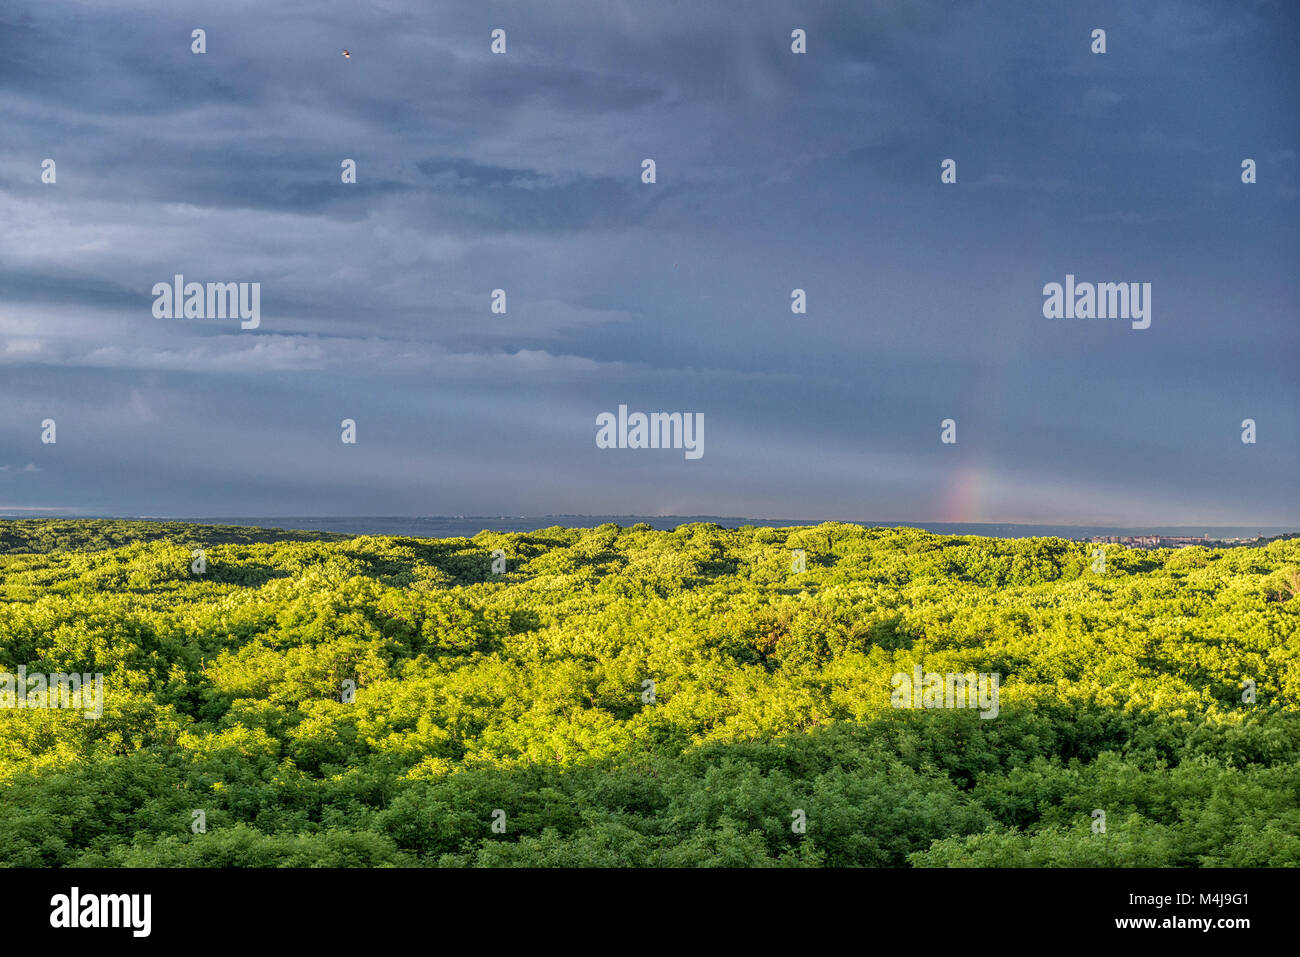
(77, 514)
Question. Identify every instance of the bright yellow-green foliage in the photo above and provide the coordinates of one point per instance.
(523, 693)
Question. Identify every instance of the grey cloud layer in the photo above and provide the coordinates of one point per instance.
(775, 171)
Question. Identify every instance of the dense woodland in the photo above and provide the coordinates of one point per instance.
(48, 535)
(522, 693)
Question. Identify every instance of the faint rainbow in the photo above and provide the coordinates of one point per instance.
(972, 490)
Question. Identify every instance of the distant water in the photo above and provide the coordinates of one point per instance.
(467, 526)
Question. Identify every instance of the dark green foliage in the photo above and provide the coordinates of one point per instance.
(43, 535)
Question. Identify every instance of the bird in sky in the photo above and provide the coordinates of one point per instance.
(347, 54)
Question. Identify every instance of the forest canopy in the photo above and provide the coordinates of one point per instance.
(632, 697)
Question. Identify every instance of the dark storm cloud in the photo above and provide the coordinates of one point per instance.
(775, 171)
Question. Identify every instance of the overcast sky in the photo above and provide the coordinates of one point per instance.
(775, 171)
